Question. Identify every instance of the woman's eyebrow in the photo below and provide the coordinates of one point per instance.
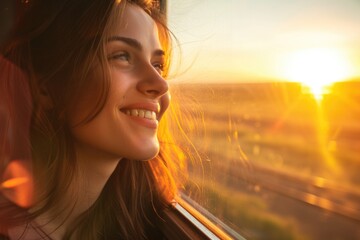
(159, 53)
(135, 44)
(130, 41)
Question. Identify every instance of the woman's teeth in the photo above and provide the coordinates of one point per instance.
(141, 113)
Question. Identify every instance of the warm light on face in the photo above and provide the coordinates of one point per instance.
(317, 68)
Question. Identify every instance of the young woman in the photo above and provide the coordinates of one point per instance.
(84, 80)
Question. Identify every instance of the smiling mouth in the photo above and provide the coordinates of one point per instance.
(141, 113)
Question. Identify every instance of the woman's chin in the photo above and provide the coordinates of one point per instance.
(147, 156)
(146, 153)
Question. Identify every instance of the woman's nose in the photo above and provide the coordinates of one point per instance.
(152, 84)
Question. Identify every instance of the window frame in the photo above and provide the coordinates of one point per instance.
(183, 221)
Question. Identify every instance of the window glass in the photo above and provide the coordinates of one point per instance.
(270, 96)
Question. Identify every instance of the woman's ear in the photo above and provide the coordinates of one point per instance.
(45, 98)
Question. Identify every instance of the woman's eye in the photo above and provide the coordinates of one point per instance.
(122, 56)
(159, 67)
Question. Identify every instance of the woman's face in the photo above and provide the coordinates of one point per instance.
(138, 97)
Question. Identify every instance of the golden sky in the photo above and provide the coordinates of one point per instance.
(259, 40)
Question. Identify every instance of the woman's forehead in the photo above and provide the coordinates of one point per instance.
(135, 23)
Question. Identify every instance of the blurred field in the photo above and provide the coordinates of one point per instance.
(275, 162)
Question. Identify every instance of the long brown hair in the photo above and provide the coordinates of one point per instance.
(55, 44)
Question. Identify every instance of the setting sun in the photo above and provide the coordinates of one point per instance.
(317, 68)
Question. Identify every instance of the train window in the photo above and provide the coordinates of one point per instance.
(269, 93)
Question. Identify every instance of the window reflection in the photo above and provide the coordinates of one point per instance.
(273, 105)
(279, 166)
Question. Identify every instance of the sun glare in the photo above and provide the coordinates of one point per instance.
(317, 68)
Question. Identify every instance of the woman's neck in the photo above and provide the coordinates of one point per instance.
(94, 170)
